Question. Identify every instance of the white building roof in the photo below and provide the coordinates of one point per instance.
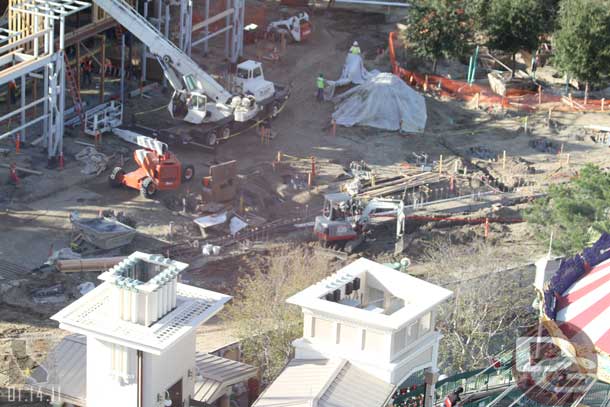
(215, 374)
(325, 383)
(418, 295)
(300, 383)
(354, 387)
(64, 371)
(93, 314)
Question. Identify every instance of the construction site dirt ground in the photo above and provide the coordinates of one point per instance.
(35, 217)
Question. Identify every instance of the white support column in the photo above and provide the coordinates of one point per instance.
(237, 30)
(206, 29)
(234, 28)
(181, 25)
(45, 106)
(22, 133)
(240, 29)
(186, 24)
(166, 27)
(144, 48)
(189, 31)
(227, 33)
(123, 70)
(431, 377)
(36, 40)
(62, 93)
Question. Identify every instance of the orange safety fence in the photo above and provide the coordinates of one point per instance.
(515, 98)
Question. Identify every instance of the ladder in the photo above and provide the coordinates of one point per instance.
(74, 90)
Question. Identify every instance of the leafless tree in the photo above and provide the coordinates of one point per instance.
(492, 300)
(265, 324)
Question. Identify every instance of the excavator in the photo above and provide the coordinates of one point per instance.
(345, 220)
(198, 98)
(297, 27)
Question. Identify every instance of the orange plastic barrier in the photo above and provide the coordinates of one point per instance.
(515, 98)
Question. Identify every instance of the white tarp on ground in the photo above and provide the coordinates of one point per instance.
(353, 72)
(384, 101)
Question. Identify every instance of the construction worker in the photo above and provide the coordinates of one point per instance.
(355, 49)
(87, 68)
(12, 92)
(453, 398)
(320, 83)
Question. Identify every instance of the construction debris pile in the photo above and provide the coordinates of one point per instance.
(95, 162)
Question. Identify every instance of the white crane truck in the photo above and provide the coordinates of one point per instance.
(198, 98)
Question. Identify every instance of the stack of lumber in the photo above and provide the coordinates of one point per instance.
(396, 184)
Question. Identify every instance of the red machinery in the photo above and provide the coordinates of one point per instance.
(158, 168)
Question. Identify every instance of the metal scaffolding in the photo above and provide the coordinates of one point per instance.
(27, 49)
(162, 20)
(233, 29)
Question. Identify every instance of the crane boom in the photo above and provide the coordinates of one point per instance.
(180, 70)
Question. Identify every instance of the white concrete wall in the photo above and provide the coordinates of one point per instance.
(104, 388)
(346, 339)
(371, 349)
(161, 372)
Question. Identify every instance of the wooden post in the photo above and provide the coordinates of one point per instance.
(455, 167)
(477, 98)
(426, 83)
(539, 94)
(440, 165)
(103, 69)
(586, 93)
(486, 228)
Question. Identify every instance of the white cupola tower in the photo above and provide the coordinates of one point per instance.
(140, 326)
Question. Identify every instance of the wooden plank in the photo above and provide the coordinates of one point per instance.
(212, 19)
(26, 170)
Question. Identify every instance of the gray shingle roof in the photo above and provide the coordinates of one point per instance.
(354, 387)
